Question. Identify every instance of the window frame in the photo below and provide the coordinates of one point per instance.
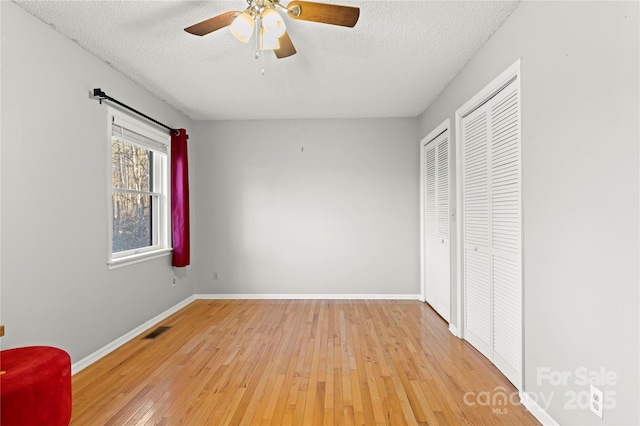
(161, 175)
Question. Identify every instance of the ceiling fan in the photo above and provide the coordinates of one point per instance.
(271, 31)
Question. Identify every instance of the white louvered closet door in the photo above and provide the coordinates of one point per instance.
(442, 231)
(492, 230)
(431, 225)
(436, 198)
(506, 238)
(477, 277)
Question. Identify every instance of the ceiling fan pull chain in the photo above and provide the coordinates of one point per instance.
(257, 55)
(262, 70)
(259, 47)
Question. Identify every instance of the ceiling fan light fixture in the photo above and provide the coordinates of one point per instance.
(273, 31)
(268, 41)
(242, 27)
(273, 23)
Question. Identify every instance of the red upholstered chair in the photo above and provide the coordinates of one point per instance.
(35, 388)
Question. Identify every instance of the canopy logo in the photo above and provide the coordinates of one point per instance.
(582, 377)
(499, 399)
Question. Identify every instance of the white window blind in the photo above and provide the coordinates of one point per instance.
(133, 137)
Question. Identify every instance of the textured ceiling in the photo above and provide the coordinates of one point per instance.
(393, 63)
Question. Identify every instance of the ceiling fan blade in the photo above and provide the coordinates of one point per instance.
(212, 24)
(286, 48)
(346, 16)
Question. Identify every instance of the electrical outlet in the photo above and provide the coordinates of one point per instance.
(216, 276)
(174, 282)
(596, 401)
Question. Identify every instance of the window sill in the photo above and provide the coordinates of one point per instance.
(138, 258)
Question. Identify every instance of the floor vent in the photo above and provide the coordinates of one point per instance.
(158, 331)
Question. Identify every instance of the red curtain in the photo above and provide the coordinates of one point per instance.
(180, 198)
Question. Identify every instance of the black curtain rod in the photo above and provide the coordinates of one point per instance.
(98, 93)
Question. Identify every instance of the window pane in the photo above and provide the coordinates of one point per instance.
(132, 221)
(130, 166)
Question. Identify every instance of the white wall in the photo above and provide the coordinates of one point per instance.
(56, 289)
(340, 217)
(580, 127)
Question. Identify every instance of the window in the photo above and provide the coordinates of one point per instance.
(139, 182)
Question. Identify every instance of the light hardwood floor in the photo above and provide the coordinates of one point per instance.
(297, 362)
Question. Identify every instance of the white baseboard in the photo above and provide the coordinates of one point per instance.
(310, 296)
(110, 347)
(454, 330)
(538, 412)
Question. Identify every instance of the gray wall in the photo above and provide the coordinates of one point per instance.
(340, 217)
(580, 163)
(56, 289)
